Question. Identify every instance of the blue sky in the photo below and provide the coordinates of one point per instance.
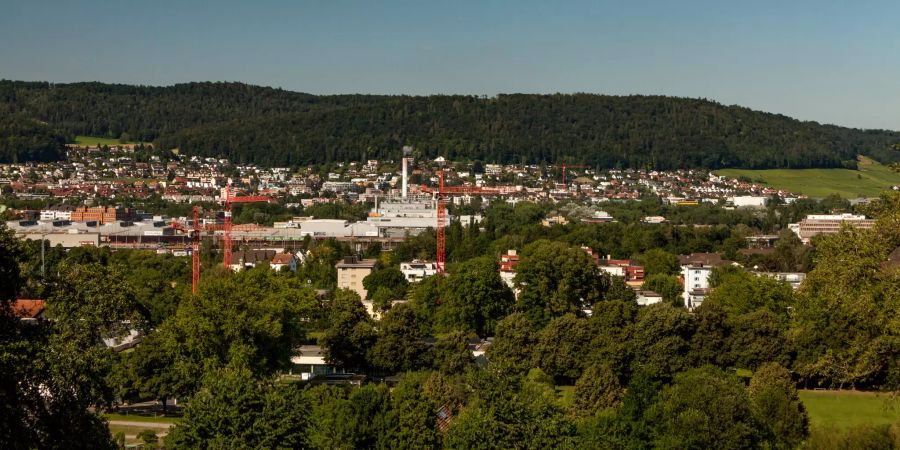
(830, 61)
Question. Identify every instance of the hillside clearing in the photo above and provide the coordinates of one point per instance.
(871, 179)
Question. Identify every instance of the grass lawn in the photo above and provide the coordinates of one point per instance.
(871, 178)
(91, 140)
(844, 409)
(141, 418)
(565, 395)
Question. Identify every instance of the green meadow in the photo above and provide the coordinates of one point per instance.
(871, 179)
(844, 409)
(93, 140)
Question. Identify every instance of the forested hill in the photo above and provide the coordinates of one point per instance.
(276, 127)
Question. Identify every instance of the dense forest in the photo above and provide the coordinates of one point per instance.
(277, 127)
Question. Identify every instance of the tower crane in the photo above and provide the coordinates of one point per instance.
(565, 166)
(194, 233)
(442, 212)
(227, 223)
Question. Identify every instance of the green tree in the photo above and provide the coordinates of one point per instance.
(661, 339)
(233, 409)
(413, 423)
(657, 261)
(561, 347)
(844, 324)
(451, 353)
(513, 344)
(704, 408)
(401, 342)
(474, 298)
(774, 401)
(350, 333)
(667, 286)
(556, 279)
(741, 292)
(597, 388)
(254, 314)
(390, 278)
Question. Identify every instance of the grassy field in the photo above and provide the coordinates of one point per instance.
(91, 140)
(844, 409)
(871, 178)
(139, 418)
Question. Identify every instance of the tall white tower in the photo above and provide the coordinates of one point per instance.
(406, 151)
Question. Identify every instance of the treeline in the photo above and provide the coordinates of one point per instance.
(23, 139)
(275, 127)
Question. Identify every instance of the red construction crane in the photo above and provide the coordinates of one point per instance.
(195, 251)
(442, 211)
(564, 166)
(227, 225)
(194, 233)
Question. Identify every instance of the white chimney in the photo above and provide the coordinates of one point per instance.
(404, 177)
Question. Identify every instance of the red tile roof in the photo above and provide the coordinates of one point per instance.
(25, 308)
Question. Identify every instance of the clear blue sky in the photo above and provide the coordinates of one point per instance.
(830, 61)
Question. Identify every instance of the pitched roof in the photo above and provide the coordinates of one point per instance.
(26, 308)
(702, 259)
(282, 258)
(252, 256)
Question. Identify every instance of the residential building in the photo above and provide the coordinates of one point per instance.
(250, 258)
(351, 271)
(645, 298)
(418, 270)
(284, 261)
(815, 224)
(508, 264)
(695, 270)
(631, 272)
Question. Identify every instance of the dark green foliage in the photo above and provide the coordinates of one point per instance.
(666, 285)
(451, 353)
(255, 315)
(659, 261)
(272, 126)
(474, 298)
(703, 408)
(660, 342)
(401, 342)
(561, 347)
(23, 139)
(775, 403)
(597, 388)
(413, 423)
(513, 344)
(620, 291)
(349, 334)
(556, 279)
(235, 410)
(390, 278)
(507, 413)
(347, 418)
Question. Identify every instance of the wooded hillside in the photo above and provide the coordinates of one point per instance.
(276, 127)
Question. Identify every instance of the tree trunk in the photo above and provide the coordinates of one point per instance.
(164, 405)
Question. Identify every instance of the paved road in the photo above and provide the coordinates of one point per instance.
(129, 423)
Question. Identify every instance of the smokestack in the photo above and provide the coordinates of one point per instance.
(406, 151)
(404, 177)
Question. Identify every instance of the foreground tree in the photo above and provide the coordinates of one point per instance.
(704, 408)
(350, 333)
(513, 344)
(774, 400)
(233, 409)
(597, 389)
(556, 279)
(474, 298)
(256, 314)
